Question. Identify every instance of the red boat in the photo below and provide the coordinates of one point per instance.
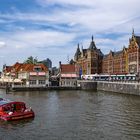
(10, 110)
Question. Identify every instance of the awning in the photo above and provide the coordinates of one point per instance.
(17, 81)
(9, 80)
(6, 80)
(69, 75)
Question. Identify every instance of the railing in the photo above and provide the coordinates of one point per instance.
(22, 86)
(117, 81)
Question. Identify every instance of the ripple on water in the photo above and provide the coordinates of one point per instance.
(77, 115)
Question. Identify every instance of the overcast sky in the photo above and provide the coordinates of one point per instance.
(53, 28)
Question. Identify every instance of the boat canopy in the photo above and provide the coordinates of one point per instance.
(2, 102)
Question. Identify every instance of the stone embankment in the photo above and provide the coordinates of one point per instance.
(87, 85)
(21, 88)
(118, 87)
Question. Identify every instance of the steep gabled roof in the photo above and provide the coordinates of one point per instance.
(138, 40)
(7, 68)
(84, 51)
(30, 67)
(92, 45)
(17, 67)
(17, 64)
(67, 68)
(43, 67)
(105, 56)
(78, 52)
(99, 52)
(118, 53)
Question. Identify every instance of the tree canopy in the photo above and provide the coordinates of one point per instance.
(31, 60)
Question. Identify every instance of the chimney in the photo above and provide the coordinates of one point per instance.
(59, 63)
(59, 66)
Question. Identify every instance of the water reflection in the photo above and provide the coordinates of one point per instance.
(15, 123)
(68, 115)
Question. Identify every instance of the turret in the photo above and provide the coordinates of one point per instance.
(92, 45)
(133, 33)
(78, 53)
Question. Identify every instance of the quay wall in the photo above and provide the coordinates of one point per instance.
(87, 85)
(118, 87)
(43, 88)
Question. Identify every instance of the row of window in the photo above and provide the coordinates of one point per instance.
(66, 83)
(34, 82)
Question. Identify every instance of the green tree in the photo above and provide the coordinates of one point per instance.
(31, 60)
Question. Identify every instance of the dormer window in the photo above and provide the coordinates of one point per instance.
(37, 68)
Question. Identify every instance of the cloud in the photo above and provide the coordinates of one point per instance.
(36, 42)
(97, 17)
(55, 27)
(2, 44)
(38, 38)
(101, 15)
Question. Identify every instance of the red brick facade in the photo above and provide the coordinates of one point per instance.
(125, 61)
(89, 61)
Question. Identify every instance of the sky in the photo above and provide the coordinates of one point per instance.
(53, 28)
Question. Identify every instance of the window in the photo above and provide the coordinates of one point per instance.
(37, 68)
(32, 82)
(41, 82)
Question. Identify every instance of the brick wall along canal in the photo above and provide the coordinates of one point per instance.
(75, 115)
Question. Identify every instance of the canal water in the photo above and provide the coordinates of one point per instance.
(75, 115)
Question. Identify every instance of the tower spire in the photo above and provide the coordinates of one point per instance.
(92, 44)
(92, 38)
(133, 33)
(82, 47)
(78, 53)
(78, 45)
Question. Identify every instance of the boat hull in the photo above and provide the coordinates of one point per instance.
(17, 116)
(13, 110)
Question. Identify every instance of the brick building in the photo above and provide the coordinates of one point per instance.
(67, 75)
(124, 61)
(134, 54)
(89, 61)
(115, 62)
